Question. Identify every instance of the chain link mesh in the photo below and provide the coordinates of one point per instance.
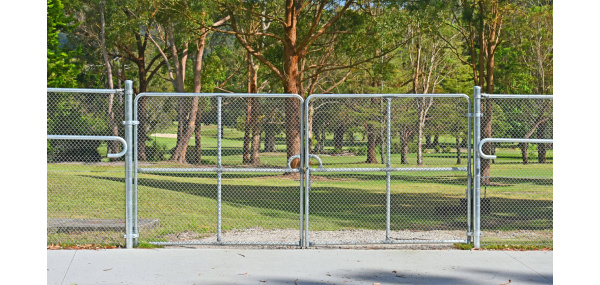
(86, 197)
(517, 203)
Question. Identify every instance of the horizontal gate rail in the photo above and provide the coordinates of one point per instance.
(77, 90)
(407, 169)
(412, 241)
(516, 96)
(215, 169)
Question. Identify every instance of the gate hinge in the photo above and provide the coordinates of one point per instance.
(471, 115)
(131, 123)
(132, 236)
(470, 234)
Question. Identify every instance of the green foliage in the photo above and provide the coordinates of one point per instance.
(62, 69)
(156, 151)
(463, 246)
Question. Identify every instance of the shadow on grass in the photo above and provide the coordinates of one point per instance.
(359, 208)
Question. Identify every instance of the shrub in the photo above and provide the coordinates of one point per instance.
(156, 152)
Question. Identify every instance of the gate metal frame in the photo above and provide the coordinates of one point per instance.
(388, 169)
(479, 155)
(219, 169)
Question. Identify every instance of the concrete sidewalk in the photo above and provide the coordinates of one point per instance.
(310, 266)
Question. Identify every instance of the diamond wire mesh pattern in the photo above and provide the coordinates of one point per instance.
(350, 206)
(85, 198)
(517, 195)
(257, 206)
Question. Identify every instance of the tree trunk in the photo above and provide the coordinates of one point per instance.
(541, 147)
(403, 150)
(256, 125)
(270, 133)
(141, 129)
(290, 83)
(523, 147)
(247, 127)
(458, 159)
(428, 141)
(198, 134)
(113, 146)
(372, 136)
(338, 137)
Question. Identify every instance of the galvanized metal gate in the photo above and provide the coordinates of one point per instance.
(220, 187)
(427, 201)
(343, 201)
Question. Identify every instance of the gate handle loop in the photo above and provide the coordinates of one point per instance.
(289, 162)
(102, 138)
(490, 156)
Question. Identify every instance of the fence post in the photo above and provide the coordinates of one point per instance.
(477, 163)
(219, 166)
(128, 164)
(388, 212)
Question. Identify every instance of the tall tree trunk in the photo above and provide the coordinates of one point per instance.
(187, 107)
(255, 111)
(114, 130)
(290, 83)
(247, 126)
(200, 45)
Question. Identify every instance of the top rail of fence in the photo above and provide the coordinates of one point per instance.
(516, 96)
(388, 96)
(233, 95)
(78, 90)
(226, 95)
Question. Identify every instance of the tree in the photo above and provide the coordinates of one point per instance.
(299, 25)
(480, 24)
(166, 21)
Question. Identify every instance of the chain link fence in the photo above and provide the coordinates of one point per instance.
(221, 169)
(85, 188)
(517, 186)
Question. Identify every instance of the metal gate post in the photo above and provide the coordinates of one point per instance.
(477, 163)
(388, 212)
(128, 164)
(219, 166)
